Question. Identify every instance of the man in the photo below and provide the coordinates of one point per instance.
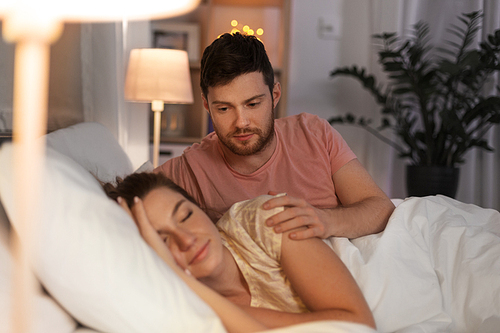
(250, 153)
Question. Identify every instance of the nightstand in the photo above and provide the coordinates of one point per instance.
(168, 151)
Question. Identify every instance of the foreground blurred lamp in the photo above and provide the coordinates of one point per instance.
(33, 25)
(158, 76)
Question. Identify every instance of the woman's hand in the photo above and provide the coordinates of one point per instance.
(148, 233)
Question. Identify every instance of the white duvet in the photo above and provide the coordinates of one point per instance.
(435, 268)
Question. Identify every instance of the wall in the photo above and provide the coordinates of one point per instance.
(313, 55)
(6, 82)
(105, 50)
(65, 81)
(65, 93)
(87, 71)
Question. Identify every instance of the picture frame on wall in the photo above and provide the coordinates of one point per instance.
(5, 121)
(179, 36)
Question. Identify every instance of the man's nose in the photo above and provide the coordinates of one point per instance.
(242, 119)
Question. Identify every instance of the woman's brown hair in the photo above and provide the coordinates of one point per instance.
(139, 185)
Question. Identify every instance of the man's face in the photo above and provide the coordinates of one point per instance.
(242, 113)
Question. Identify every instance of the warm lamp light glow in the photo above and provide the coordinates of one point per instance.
(97, 10)
(246, 29)
(33, 25)
(158, 76)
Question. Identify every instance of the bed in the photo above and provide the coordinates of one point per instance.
(436, 267)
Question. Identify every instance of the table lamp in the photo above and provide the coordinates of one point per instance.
(158, 76)
(33, 25)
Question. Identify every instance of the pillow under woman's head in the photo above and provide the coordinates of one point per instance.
(92, 260)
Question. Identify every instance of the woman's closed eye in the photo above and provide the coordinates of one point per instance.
(188, 215)
(164, 236)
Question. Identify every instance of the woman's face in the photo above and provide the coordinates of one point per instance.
(188, 232)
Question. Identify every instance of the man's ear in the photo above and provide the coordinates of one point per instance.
(205, 103)
(276, 93)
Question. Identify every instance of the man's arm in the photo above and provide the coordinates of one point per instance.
(364, 209)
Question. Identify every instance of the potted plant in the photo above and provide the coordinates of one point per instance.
(433, 100)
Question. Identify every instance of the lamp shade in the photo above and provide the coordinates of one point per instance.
(97, 10)
(158, 74)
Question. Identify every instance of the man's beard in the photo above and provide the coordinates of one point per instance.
(246, 148)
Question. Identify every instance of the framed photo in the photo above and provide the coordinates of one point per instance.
(179, 36)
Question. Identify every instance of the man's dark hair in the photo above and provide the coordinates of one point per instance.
(232, 55)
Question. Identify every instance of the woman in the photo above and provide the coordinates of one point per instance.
(278, 281)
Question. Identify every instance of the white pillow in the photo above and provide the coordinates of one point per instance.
(92, 260)
(94, 147)
(49, 316)
(145, 167)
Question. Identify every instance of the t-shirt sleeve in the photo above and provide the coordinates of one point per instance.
(178, 170)
(171, 168)
(340, 152)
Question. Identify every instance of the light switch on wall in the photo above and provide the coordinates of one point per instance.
(329, 27)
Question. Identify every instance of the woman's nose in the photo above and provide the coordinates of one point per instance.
(184, 239)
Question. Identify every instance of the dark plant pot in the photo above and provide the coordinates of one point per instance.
(431, 180)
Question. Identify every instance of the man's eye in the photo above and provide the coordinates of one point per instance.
(222, 109)
(253, 105)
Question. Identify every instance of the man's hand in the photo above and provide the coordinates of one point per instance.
(363, 208)
(298, 213)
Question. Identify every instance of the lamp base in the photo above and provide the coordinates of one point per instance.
(173, 121)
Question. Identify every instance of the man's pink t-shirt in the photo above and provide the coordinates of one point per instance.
(308, 153)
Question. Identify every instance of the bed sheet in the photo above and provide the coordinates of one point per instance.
(435, 268)
(325, 326)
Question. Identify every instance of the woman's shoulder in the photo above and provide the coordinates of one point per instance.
(245, 222)
(250, 204)
(250, 212)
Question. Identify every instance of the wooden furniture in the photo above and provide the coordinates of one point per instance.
(5, 137)
(206, 19)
